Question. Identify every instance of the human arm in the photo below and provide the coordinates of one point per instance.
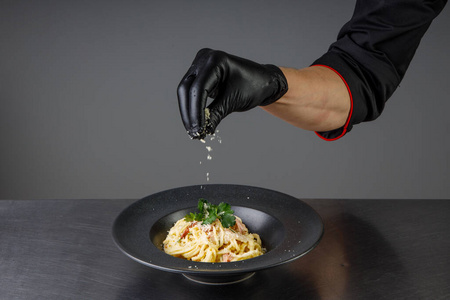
(317, 100)
(348, 85)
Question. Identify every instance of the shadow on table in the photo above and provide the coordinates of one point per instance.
(353, 261)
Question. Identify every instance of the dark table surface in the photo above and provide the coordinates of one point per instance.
(371, 249)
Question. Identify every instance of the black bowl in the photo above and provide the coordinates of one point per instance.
(288, 227)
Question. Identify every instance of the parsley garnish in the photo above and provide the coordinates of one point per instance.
(208, 213)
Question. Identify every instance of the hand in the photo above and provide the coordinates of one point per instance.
(234, 84)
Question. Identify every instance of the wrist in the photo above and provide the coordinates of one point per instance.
(278, 83)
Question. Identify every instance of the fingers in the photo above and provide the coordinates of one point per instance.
(191, 101)
(183, 99)
(216, 114)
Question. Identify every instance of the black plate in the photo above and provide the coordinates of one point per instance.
(288, 227)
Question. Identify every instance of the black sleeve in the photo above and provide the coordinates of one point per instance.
(373, 51)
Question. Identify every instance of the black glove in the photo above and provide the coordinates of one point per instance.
(235, 84)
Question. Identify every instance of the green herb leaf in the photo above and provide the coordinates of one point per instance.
(193, 217)
(228, 220)
(202, 205)
(224, 208)
(208, 213)
(212, 216)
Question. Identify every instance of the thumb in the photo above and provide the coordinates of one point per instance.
(216, 114)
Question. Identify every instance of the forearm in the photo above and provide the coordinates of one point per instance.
(317, 99)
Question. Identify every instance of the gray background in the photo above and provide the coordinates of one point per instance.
(89, 108)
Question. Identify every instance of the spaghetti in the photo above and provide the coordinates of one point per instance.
(193, 240)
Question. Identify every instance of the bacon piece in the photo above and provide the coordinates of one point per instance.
(240, 227)
(186, 231)
(226, 257)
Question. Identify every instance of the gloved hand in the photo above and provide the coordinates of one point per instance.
(235, 84)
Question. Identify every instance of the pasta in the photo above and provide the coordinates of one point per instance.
(195, 241)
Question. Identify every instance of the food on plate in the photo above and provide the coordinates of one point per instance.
(214, 234)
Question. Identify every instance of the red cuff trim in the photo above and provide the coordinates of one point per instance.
(344, 128)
